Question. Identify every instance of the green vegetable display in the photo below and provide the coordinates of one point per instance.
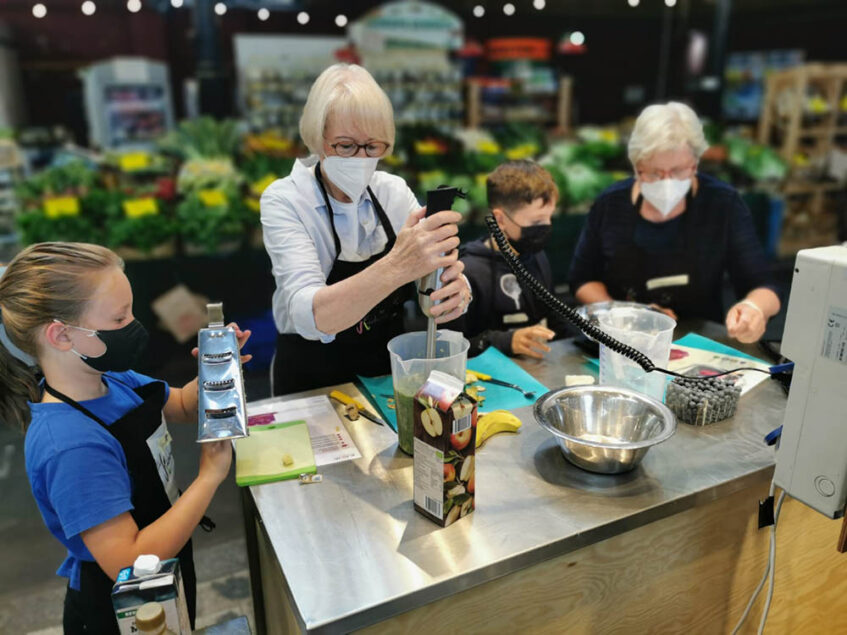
(203, 137)
(208, 227)
(75, 181)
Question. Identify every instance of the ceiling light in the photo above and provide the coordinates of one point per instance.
(303, 18)
(341, 21)
(670, 3)
(176, 4)
(39, 10)
(577, 38)
(539, 4)
(133, 6)
(263, 14)
(633, 3)
(479, 11)
(88, 7)
(509, 8)
(220, 8)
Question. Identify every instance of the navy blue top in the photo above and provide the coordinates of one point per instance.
(724, 242)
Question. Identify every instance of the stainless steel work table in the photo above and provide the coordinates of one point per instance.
(351, 551)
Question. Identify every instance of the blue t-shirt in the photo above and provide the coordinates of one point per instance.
(77, 470)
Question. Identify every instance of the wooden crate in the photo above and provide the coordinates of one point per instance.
(785, 124)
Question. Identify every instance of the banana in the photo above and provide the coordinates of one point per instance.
(495, 422)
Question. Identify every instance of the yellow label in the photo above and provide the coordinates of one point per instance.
(524, 151)
(138, 207)
(61, 206)
(133, 161)
(488, 147)
(212, 198)
(262, 184)
(428, 147)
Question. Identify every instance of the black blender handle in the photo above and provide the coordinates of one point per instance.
(442, 198)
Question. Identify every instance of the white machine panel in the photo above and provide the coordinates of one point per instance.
(811, 463)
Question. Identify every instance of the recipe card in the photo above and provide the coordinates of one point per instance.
(331, 442)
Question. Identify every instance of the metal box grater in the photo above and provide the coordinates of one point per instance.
(222, 407)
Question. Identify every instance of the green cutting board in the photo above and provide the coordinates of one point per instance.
(258, 457)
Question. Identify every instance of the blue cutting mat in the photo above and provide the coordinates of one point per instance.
(491, 362)
(379, 390)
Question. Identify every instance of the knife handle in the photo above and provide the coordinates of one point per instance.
(345, 399)
(479, 375)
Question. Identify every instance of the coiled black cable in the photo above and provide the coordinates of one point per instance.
(577, 320)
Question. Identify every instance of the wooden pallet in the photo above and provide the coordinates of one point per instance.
(785, 124)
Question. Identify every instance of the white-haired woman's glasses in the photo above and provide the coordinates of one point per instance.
(348, 148)
(651, 176)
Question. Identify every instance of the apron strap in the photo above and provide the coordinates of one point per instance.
(380, 212)
(73, 404)
(383, 219)
(328, 209)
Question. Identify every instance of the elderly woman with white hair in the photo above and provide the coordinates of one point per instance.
(669, 235)
(345, 241)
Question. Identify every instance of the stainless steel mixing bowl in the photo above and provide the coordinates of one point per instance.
(604, 429)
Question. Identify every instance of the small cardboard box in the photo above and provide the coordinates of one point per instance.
(445, 444)
(165, 587)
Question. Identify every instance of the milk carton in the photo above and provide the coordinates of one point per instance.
(151, 580)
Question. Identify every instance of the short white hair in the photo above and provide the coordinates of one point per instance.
(663, 127)
(346, 91)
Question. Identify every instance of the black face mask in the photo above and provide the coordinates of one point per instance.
(123, 347)
(533, 238)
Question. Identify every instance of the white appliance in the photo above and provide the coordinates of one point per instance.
(811, 463)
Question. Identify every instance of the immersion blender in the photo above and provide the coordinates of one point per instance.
(437, 200)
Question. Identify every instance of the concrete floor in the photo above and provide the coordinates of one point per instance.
(31, 594)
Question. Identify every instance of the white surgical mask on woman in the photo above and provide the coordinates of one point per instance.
(350, 175)
(664, 195)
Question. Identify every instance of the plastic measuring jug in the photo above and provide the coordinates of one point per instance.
(647, 331)
(410, 369)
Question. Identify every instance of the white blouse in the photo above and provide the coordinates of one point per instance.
(298, 238)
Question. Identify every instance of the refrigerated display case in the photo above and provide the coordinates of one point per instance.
(128, 103)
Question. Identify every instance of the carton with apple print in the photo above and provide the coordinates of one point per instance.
(445, 441)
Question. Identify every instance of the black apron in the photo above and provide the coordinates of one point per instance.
(672, 274)
(301, 364)
(90, 610)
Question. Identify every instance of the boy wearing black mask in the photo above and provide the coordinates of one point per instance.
(522, 197)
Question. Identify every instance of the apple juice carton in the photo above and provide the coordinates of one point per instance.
(445, 443)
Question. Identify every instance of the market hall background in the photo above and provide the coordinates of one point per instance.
(546, 81)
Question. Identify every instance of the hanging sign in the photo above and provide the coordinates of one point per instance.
(408, 24)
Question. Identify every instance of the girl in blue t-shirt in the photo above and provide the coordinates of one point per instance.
(98, 452)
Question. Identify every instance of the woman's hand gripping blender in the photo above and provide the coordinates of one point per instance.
(428, 287)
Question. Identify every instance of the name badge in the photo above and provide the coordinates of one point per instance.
(515, 318)
(680, 280)
(160, 447)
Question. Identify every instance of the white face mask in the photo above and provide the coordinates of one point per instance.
(350, 175)
(664, 195)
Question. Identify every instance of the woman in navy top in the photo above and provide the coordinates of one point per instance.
(669, 236)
